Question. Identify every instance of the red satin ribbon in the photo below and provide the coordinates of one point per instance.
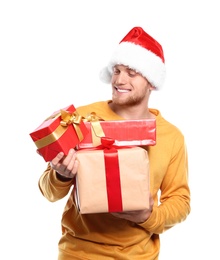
(113, 183)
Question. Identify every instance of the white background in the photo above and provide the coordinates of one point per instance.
(51, 53)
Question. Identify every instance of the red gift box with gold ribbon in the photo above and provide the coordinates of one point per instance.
(140, 132)
(63, 130)
(112, 179)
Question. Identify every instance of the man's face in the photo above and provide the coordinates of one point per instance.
(129, 87)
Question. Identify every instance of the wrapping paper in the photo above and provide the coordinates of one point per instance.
(124, 132)
(113, 183)
(63, 130)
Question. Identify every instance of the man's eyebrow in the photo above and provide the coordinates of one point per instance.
(131, 70)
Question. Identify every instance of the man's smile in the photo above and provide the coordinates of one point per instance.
(121, 90)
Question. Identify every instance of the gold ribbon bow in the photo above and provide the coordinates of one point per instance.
(67, 118)
(96, 128)
(74, 119)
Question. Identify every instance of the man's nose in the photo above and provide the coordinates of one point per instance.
(121, 78)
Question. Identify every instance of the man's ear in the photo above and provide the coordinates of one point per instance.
(151, 87)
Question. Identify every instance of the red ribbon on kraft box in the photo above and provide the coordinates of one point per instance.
(112, 171)
(109, 193)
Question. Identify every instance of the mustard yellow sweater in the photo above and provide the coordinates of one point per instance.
(103, 236)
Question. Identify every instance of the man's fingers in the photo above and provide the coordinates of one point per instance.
(65, 165)
(58, 159)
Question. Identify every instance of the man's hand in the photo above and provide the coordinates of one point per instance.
(66, 166)
(137, 216)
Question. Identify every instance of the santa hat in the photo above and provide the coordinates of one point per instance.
(139, 51)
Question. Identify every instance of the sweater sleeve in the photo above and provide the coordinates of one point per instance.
(174, 204)
(52, 187)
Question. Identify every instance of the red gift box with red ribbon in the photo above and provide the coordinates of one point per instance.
(140, 132)
(63, 130)
(112, 179)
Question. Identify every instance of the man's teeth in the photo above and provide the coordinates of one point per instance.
(122, 90)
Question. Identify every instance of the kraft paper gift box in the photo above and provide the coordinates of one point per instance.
(63, 130)
(124, 132)
(112, 180)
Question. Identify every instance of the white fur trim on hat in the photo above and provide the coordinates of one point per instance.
(138, 58)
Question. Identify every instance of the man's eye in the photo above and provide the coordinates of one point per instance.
(132, 73)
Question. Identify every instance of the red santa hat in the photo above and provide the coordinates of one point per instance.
(139, 51)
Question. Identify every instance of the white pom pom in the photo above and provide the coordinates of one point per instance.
(105, 75)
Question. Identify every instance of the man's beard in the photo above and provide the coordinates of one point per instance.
(129, 101)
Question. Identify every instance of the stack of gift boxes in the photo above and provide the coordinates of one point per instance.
(113, 173)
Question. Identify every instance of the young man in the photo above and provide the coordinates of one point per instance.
(135, 70)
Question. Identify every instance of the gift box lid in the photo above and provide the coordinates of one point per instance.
(49, 124)
(124, 132)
